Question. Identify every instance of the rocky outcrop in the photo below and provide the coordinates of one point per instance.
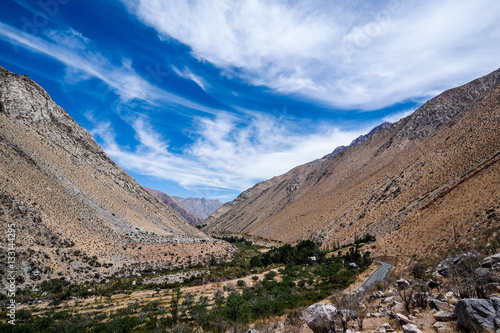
(492, 261)
(477, 314)
(321, 317)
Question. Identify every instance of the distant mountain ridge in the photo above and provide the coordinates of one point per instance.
(200, 206)
(64, 193)
(413, 183)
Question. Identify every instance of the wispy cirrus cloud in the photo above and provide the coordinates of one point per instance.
(348, 54)
(227, 152)
(82, 62)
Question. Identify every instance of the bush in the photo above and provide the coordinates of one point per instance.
(241, 283)
(271, 275)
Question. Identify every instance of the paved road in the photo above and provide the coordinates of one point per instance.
(378, 276)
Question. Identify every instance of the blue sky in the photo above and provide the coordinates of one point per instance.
(206, 98)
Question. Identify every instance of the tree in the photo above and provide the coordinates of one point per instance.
(187, 303)
(174, 305)
(237, 308)
(350, 308)
(406, 294)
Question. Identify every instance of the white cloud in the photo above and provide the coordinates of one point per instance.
(189, 75)
(345, 53)
(76, 52)
(227, 152)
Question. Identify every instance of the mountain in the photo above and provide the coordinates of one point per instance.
(177, 206)
(422, 185)
(76, 213)
(200, 206)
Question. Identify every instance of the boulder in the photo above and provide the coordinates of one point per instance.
(490, 261)
(403, 284)
(444, 267)
(388, 299)
(321, 317)
(378, 294)
(252, 331)
(438, 305)
(432, 284)
(444, 316)
(410, 328)
(403, 319)
(442, 298)
(387, 327)
(477, 314)
(442, 327)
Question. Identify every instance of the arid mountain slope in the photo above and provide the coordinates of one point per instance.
(200, 206)
(76, 212)
(173, 203)
(423, 184)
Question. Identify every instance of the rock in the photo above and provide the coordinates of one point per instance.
(477, 314)
(378, 294)
(398, 307)
(403, 284)
(252, 331)
(388, 299)
(387, 327)
(444, 267)
(442, 327)
(432, 284)
(444, 316)
(438, 277)
(438, 305)
(450, 294)
(410, 328)
(490, 261)
(403, 319)
(441, 297)
(320, 317)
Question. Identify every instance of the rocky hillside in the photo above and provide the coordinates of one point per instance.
(174, 203)
(200, 206)
(76, 213)
(422, 185)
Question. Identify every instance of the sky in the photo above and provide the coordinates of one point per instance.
(206, 98)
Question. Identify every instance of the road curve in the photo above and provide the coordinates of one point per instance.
(378, 276)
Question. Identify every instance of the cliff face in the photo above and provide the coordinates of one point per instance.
(423, 184)
(76, 212)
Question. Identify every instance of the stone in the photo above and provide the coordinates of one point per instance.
(490, 261)
(445, 266)
(403, 319)
(442, 327)
(403, 284)
(444, 316)
(478, 314)
(438, 305)
(320, 317)
(441, 297)
(410, 328)
(387, 327)
(252, 331)
(388, 299)
(378, 294)
(432, 284)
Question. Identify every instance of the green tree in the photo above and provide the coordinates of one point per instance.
(237, 308)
